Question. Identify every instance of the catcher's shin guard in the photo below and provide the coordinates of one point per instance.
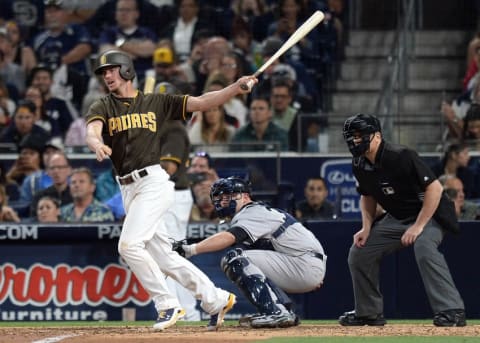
(261, 292)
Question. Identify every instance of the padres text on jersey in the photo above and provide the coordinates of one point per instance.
(132, 121)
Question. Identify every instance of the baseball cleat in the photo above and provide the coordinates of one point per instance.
(216, 320)
(275, 320)
(169, 317)
(245, 321)
(450, 318)
(351, 319)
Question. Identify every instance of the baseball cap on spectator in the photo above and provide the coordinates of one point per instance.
(34, 142)
(284, 71)
(270, 46)
(163, 56)
(205, 155)
(166, 88)
(55, 143)
(56, 3)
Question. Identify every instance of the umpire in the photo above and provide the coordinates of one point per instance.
(416, 213)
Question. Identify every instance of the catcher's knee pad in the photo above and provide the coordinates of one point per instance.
(229, 257)
(252, 282)
(234, 263)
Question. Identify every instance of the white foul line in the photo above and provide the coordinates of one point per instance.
(54, 339)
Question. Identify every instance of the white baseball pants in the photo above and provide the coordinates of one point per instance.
(144, 244)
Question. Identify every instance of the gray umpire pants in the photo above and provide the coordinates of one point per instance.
(384, 238)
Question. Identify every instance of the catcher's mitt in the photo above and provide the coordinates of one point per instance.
(177, 246)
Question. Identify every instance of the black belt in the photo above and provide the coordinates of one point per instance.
(128, 179)
(318, 255)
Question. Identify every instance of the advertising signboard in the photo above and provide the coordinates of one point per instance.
(341, 184)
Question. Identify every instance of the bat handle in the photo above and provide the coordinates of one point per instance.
(247, 86)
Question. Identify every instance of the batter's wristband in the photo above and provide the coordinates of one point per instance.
(193, 250)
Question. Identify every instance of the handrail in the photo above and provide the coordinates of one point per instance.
(247, 150)
(398, 60)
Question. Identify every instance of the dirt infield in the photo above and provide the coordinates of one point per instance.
(226, 334)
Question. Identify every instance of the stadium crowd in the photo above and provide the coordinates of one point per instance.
(48, 51)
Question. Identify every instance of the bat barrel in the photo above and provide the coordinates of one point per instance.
(301, 32)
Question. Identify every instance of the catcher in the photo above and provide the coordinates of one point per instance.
(273, 253)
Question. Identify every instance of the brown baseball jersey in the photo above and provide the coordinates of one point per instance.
(175, 147)
(133, 126)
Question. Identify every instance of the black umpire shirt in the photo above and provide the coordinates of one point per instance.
(397, 180)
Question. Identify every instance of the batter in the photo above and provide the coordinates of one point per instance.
(126, 126)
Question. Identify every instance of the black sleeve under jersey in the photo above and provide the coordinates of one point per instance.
(240, 234)
(242, 238)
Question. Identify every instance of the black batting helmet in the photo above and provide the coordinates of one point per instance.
(118, 59)
(360, 125)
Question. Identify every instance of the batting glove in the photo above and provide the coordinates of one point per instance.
(177, 246)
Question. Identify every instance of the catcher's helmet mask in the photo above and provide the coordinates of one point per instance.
(115, 58)
(228, 189)
(360, 126)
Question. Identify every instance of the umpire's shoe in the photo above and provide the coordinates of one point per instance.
(450, 318)
(350, 319)
(216, 320)
(167, 318)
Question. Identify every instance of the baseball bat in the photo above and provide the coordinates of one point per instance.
(149, 82)
(299, 33)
